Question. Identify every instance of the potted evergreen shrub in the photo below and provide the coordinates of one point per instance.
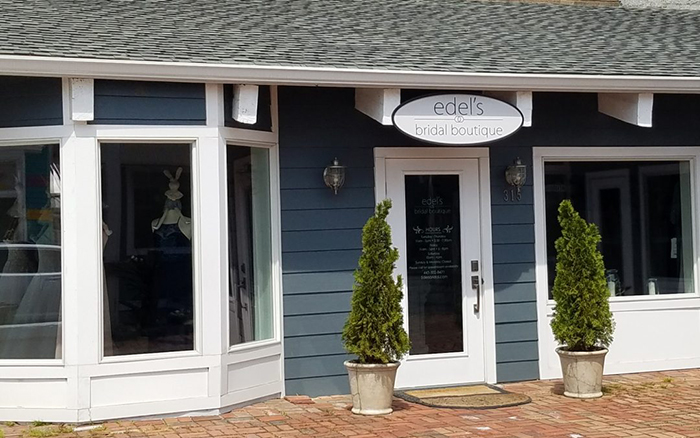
(582, 322)
(374, 329)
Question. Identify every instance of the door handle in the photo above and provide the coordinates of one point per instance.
(476, 284)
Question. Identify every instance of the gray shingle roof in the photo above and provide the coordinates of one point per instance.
(402, 35)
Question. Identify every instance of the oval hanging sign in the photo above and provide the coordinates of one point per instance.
(457, 119)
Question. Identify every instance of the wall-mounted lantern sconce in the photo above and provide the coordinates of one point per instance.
(516, 174)
(334, 176)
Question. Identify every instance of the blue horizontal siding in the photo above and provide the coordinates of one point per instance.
(324, 199)
(515, 292)
(322, 240)
(321, 231)
(149, 103)
(523, 233)
(312, 178)
(318, 386)
(322, 236)
(30, 102)
(320, 220)
(313, 324)
(321, 157)
(318, 303)
(517, 371)
(516, 312)
(317, 282)
(512, 214)
(513, 273)
(516, 332)
(520, 351)
(513, 235)
(514, 253)
(319, 261)
(316, 345)
(316, 366)
(341, 131)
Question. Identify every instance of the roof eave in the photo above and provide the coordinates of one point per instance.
(338, 77)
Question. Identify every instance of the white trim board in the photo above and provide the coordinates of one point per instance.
(482, 154)
(637, 346)
(337, 77)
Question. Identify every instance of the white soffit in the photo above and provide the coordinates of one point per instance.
(519, 99)
(245, 104)
(82, 100)
(634, 108)
(378, 103)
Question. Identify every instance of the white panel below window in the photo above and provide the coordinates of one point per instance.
(149, 387)
(253, 373)
(33, 394)
(643, 341)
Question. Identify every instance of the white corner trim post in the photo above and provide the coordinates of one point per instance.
(378, 103)
(245, 104)
(520, 99)
(82, 99)
(633, 108)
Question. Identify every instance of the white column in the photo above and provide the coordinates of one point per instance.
(82, 259)
(211, 189)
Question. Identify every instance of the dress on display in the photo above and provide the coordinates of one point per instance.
(108, 344)
(173, 275)
(16, 273)
(38, 317)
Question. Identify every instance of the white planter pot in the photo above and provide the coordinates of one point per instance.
(372, 387)
(582, 372)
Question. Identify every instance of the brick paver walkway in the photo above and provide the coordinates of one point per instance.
(638, 405)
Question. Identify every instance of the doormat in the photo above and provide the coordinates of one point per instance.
(469, 397)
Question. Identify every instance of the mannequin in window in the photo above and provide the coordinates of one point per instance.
(39, 312)
(108, 344)
(21, 257)
(171, 297)
(172, 220)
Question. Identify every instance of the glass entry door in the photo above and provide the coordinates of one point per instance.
(435, 226)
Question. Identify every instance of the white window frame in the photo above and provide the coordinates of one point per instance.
(27, 140)
(196, 250)
(276, 249)
(634, 303)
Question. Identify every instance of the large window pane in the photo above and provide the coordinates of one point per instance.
(30, 253)
(434, 262)
(147, 237)
(644, 212)
(250, 247)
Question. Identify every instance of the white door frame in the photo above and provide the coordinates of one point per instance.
(487, 297)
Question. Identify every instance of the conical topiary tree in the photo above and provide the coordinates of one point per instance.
(582, 320)
(374, 329)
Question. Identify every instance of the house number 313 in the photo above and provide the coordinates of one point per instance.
(511, 195)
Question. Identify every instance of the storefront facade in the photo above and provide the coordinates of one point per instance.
(170, 245)
(516, 249)
(172, 260)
